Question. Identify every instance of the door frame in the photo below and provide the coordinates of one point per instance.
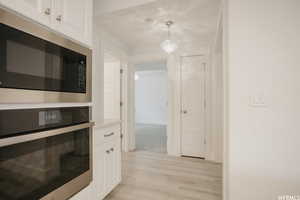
(124, 106)
(181, 100)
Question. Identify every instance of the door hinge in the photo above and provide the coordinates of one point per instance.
(121, 136)
(121, 103)
(121, 71)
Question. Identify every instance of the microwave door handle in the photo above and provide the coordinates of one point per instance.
(43, 134)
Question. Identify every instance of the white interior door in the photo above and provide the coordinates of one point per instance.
(193, 95)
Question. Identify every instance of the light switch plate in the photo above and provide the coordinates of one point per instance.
(257, 101)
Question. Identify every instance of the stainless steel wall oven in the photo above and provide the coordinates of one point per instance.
(45, 153)
(38, 66)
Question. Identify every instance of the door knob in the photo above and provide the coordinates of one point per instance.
(59, 18)
(48, 11)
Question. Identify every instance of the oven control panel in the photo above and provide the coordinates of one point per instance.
(49, 117)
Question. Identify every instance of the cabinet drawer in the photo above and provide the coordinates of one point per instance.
(105, 135)
(110, 135)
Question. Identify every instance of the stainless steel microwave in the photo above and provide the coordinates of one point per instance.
(39, 66)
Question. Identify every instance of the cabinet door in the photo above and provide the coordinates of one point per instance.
(116, 159)
(99, 172)
(111, 87)
(83, 194)
(108, 168)
(38, 10)
(73, 18)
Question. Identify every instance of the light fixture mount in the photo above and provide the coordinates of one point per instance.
(168, 45)
(169, 23)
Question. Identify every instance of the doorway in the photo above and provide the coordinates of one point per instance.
(151, 108)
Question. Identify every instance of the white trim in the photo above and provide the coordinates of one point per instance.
(124, 107)
(174, 105)
(225, 101)
(131, 109)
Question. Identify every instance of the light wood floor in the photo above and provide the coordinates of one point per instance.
(154, 176)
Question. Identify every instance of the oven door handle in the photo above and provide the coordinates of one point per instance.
(43, 134)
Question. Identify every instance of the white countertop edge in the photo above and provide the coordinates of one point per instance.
(107, 123)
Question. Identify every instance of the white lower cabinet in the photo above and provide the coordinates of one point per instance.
(99, 172)
(107, 163)
(116, 178)
(85, 194)
(112, 165)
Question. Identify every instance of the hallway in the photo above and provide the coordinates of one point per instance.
(153, 176)
(151, 138)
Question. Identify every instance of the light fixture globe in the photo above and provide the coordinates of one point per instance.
(168, 45)
(136, 77)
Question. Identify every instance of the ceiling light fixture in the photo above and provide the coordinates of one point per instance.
(168, 45)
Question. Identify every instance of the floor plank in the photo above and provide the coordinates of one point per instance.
(154, 176)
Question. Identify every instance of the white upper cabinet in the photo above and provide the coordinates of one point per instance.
(72, 18)
(39, 10)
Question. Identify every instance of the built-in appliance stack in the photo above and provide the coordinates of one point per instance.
(45, 152)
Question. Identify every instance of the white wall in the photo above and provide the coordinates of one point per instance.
(151, 97)
(263, 61)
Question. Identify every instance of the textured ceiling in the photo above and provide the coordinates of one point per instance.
(142, 27)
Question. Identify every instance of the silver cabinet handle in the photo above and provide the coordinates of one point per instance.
(112, 149)
(59, 18)
(47, 11)
(108, 135)
(184, 111)
(108, 151)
